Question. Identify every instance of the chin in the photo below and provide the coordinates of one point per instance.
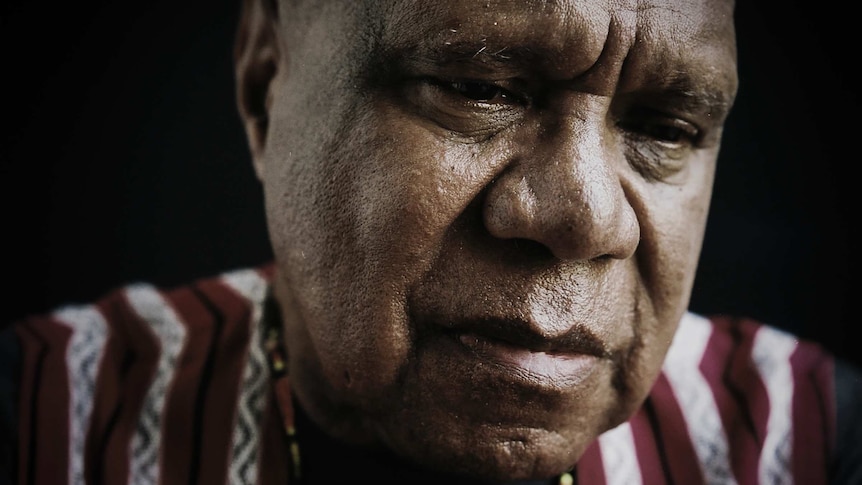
(498, 454)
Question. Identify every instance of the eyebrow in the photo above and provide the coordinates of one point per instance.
(469, 50)
(480, 55)
(710, 96)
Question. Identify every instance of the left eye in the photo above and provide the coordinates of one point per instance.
(478, 91)
(663, 130)
(668, 133)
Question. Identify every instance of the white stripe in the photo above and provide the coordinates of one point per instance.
(171, 333)
(246, 435)
(682, 368)
(83, 358)
(771, 354)
(248, 283)
(619, 457)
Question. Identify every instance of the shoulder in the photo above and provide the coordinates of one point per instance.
(790, 395)
(745, 345)
(143, 322)
(758, 362)
(138, 314)
(113, 369)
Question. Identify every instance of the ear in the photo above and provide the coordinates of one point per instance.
(256, 61)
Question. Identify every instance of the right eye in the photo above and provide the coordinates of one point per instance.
(478, 91)
(475, 109)
(479, 94)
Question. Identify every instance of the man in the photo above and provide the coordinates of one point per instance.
(486, 219)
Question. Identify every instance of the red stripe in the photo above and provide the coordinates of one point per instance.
(266, 271)
(590, 469)
(825, 375)
(219, 412)
(180, 447)
(716, 367)
(127, 368)
(744, 378)
(273, 469)
(646, 447)
(813, 414)
(673, 436)
(44, 410)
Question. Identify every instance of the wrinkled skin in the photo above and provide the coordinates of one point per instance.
(486, 215)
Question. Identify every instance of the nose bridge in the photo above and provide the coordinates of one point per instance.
(565, 192)
(571, 175)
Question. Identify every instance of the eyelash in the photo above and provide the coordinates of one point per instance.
(662, 129)
(482, 92)
(476, 91)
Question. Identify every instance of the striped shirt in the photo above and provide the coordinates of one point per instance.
(171, 386)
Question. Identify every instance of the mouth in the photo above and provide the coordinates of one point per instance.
(561, 369)
(520, 351)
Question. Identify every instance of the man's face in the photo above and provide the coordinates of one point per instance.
(487, 215)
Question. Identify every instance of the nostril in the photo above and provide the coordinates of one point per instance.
(527, 249)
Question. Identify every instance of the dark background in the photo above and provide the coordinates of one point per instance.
(123, 159)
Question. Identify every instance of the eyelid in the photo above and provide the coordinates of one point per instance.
(513, 91)
(636, 120)
(689, 130)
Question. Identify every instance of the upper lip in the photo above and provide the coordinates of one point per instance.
(521, 333)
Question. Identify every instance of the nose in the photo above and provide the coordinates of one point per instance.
(565, 193)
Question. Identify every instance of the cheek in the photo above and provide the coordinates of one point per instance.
(686, 223)
(672, 220)
(411, 186)
(365, 220)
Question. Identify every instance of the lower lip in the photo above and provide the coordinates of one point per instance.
(556, 369)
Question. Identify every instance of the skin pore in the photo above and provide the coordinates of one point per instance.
(486, 215)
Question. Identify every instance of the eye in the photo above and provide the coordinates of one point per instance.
(660, 145)
(467, 108)
(479, 91)
(664, 130)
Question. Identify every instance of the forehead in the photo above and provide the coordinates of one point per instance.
(563, 39)
(554, 20)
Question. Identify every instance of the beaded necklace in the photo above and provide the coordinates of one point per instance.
(274, 346)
